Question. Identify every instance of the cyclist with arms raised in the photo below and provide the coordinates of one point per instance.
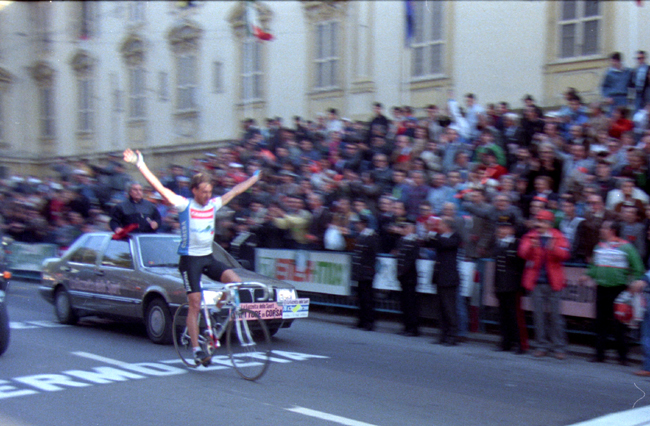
(197, 220)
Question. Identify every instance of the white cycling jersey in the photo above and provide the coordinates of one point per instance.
(197, 226)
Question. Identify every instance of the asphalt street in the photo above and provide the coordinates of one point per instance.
(323, 373)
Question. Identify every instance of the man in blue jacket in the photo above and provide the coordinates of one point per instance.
(615, 83)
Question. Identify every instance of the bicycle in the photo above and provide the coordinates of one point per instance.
(247, 338)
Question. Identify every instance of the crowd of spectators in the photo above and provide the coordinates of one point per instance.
(476, 166)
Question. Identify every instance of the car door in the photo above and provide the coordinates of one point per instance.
(80, 272)
(121, 289)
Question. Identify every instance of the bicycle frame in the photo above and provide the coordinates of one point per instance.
(247, 339)
(233, 301)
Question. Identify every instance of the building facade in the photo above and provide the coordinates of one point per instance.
(82, 79)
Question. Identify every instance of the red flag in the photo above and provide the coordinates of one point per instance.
(253, 24)
(125, 231)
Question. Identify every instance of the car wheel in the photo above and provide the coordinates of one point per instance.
(159, 322)
(4, 329)
(63, 307)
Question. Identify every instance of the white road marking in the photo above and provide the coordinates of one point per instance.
(125, 372)
(326, 416)
(27, 325)
(635, 417)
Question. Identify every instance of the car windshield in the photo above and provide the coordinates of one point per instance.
(159, 250)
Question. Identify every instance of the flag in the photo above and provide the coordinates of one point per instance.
(410, 22)
(253, 24)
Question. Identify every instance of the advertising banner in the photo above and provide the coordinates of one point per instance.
(29, 257)
(298, 308)
(577, 300)
(314, 271)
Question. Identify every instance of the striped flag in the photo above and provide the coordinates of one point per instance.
(410, 22)
(253, 23)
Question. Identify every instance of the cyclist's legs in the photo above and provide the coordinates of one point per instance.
(218, 271)
(230, 276)
(191, 268)
(194, 301)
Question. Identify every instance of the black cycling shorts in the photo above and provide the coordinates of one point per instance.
(192, 267)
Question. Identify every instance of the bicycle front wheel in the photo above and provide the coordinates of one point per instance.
(249, 344)
(181, 337)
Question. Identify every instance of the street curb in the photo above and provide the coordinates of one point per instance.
(635, 356)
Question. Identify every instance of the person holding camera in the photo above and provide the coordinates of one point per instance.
(545, 249)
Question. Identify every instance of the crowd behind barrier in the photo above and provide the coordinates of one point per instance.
(474, 166)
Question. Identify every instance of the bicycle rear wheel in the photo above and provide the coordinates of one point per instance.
(249, 344)
(181, 337)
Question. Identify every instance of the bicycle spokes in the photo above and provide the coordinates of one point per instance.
(249, 344)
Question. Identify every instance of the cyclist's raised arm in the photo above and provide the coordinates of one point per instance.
(240, 188)
(137, 159)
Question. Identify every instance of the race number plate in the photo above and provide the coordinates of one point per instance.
(266, 311)
(296, 308)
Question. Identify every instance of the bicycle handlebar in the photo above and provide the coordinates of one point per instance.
(249, 284)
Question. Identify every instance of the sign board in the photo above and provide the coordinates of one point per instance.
(297, 308)
(29, 257)
(577, 300)
(313, 271)
(386, 275)
(266, 311)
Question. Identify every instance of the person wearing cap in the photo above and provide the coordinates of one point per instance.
(135, 210)
(615, 264)
(507, 285)
(545, 249)
(364, 258)
(408, 250)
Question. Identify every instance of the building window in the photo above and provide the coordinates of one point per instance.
(252, 71)
(2, 120)
(46, 112)
(427, 46)
(43, 28)
(186, 82)
(163, 86)
(184, 41)
(580, 23)
(327, 56)
(87, 22)
(217, 77)
(85, 105)
(136, 93)
(116, 92)
(136, 12)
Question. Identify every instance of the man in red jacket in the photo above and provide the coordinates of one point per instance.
(545, 249)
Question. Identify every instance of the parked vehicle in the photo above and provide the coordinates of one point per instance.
(5, 275)
(137, 278)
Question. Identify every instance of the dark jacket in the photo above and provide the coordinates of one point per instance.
(408, 251)
(508, 267)
(445, 271)
(320, 220)
(128, 212)
(364, 255)
(587, 235)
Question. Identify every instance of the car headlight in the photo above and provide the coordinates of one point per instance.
(286, 294)
(211, 297)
